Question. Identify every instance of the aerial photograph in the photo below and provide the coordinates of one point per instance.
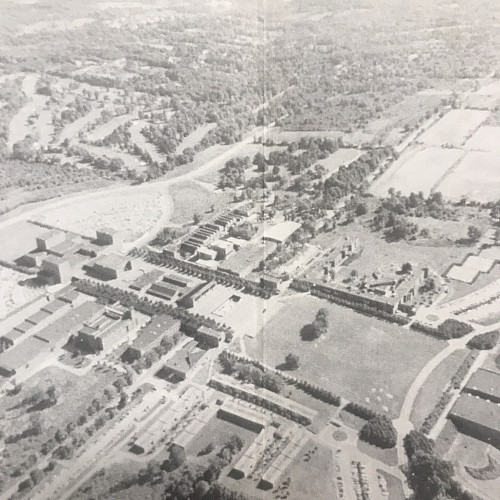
(250, 250)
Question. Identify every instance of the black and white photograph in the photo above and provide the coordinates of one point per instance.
(249, 249)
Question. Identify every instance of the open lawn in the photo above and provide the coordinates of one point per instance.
(191, 198)
(434, 386)
(131, 213)
(277, 135)
(477, 177)
(376, 253)
(357, 359)
(195, 137)
(105, 129)
(19, 239)
(344, 156)
(454, 127)
(417, 172)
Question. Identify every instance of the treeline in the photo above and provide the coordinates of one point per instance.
(111, 295)
(449, 329)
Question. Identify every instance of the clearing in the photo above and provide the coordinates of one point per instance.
(487, 138)
(417, 172)
(453, 128)
(195, 137)
(357, 359)
(477, 177)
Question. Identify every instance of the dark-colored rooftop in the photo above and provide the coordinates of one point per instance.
(154, 330)
(478, 410)
(486, 382)
(21, 354)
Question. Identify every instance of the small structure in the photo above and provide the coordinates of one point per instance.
(108, 236)
(270, 282)
(205, 253)
(223, 249)
(112, 266)
(208, 336)
(55, 270)
(190, 299)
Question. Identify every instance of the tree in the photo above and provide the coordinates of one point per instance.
(406, 268)
(260, 161)
(473, 233)
(196, 218)
(379, 431)
(416, 441)
(292, 361)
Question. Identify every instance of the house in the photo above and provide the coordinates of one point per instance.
(112, 266)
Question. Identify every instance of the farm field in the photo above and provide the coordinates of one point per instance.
(132, 213)
(453, 128)
(12, 293)
(477, 177)
(487, 138)
(419, 172)
(431, 391)
(357, 359)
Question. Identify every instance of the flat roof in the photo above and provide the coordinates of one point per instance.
(65, 247)
(155, 329)
(282, 231)
(247, 257)
(24, 326)
(186, 358)
(54, 306)
(38, 317)
(51, 233)
(146, 279)
(62, 328)
(23, 353)
(478, 410)
(112, 260)
(485, 381)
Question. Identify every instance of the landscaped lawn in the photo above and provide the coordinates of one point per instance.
(434, 386)
(362, 358)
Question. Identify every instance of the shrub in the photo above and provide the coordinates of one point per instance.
(380, 432)
(453, 329)
(484, 341)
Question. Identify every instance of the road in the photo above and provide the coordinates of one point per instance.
(88, 196)
(403, 424)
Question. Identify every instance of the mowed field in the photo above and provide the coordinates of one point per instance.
(487, 138)
(343, 156)
(417, 172)
(477, 177)
(453, 128)
(362, 359)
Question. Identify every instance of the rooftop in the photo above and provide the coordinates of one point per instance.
(154, 330)
(478, 410)
(112, 261)
(247, 258)
(281, 232)
(186, 358)
(485, 381)
(23, 353)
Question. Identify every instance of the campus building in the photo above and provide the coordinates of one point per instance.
(282, 232)
(181, 363)
(109, 236)
(112, 266)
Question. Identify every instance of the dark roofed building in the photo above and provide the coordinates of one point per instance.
(477, 417)
(21, 355)
(485, 384)
(183, 361)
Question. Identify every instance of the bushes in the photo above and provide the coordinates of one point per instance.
(453, 329)
(380, 432)
(484, 341)
(361, 411)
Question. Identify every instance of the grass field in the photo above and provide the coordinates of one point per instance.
(477, 177)
(433, 388)
(487, 138)
(418, 172)
(131, 213)
(192, 198)
(105, 129)
(453, 128)
(357, 359)
(195, 137)
(343, 156)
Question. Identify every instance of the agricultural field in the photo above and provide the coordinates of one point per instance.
(477, 177)
(487, 138)
(453, 128)
(416, 172)
(358, 357)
